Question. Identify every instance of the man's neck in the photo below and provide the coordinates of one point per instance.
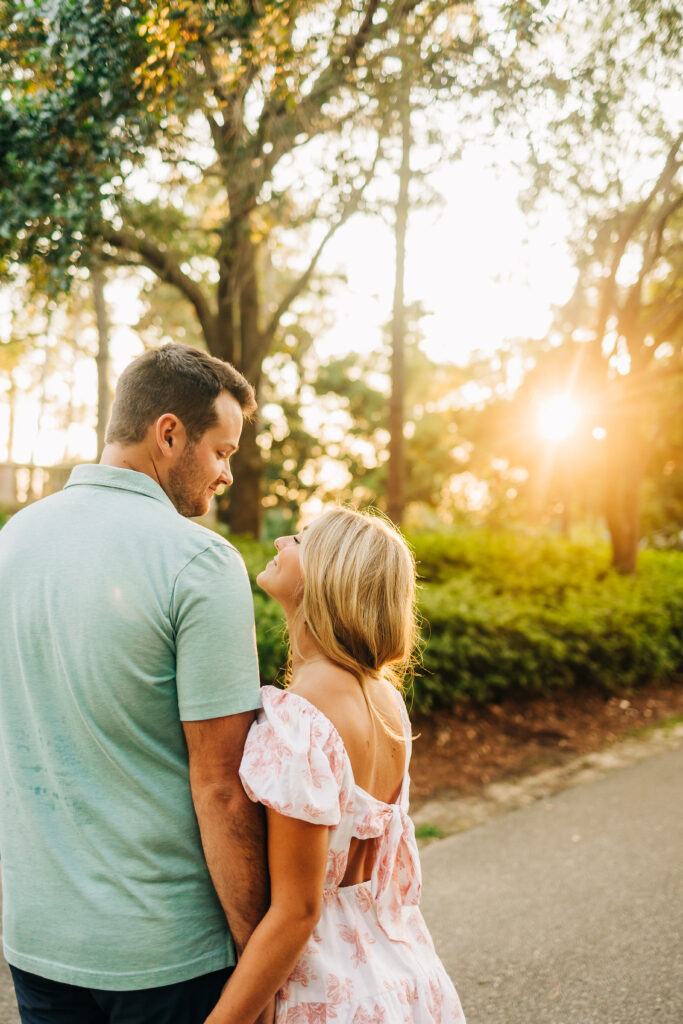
(131, 456)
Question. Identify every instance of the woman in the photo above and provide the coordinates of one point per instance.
(344, 939)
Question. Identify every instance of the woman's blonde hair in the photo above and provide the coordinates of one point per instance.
(358, 598)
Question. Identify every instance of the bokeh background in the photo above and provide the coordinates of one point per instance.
(443, 240)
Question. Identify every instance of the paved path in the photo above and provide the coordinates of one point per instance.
(564, 912)
(569, 911)
(8, 1006)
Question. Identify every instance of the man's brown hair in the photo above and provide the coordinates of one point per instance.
(179, 379)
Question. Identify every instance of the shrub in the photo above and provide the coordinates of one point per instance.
(270, 619)
(521, 617)
(516, 614)
(511, 613)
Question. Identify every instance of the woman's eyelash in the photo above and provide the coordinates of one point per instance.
(296, 540)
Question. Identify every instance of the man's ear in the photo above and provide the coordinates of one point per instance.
(168, 433)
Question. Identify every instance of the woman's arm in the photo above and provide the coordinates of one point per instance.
(297, 856)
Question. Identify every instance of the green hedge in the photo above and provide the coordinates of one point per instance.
(508, 613)
(270, 619)
(615, 634)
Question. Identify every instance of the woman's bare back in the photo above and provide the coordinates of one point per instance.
(373, 741)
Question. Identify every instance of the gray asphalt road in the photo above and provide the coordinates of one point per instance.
(569, 911)
(8, 1006)
(566, 912)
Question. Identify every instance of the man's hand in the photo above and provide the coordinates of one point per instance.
(267, 1016)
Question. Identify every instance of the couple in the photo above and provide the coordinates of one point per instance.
(135, 784)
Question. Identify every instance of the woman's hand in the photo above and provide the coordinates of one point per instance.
(297, 859)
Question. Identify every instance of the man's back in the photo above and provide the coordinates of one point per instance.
(119, 619)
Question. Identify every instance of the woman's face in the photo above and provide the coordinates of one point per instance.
(282, 577)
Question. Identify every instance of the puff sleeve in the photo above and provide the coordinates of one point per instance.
(294, 760)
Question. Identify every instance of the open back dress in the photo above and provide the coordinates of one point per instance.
(370, 959)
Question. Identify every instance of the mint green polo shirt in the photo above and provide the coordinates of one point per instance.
(119, 620)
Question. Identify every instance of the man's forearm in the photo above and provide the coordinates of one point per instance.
(233, 835)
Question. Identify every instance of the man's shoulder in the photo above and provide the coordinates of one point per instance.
(199, 549)
(30, 515)
(203, 537)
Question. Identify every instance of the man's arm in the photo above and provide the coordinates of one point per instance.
(232, 827)
(298, 861)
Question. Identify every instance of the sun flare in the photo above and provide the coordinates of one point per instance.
(558, 417)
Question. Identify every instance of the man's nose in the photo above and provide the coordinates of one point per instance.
(226, 475)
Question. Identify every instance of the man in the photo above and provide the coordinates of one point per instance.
(128, 681)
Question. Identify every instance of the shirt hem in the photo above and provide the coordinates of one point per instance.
(219, 709)
(125, 981)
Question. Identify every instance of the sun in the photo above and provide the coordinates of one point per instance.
(558, 417)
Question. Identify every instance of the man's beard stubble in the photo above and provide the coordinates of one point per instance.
(185, 486)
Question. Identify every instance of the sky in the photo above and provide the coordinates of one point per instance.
(475, 264)
(483, 273)
(481, 269)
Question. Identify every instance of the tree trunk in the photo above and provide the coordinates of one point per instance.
(69, 418)
(625, 469)
(396, 469)
(243, 511)
(42, 402)
(12, 399)
(102, 358)
(241, 343)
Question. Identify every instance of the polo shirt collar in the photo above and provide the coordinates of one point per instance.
(119, 479)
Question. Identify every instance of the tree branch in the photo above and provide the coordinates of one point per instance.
(330, 78)
(131, 249)
(626, 233)
(348, 209)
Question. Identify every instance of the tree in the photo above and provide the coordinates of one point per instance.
(277, 111)
(103, 392)
(326, 427)
(604, 134)
(11, 352)
(639, 324)
(49, 358)
(396, 467)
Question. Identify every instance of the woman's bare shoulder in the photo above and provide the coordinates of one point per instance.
(333, 691)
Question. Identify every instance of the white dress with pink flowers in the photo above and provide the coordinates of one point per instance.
(370, 959)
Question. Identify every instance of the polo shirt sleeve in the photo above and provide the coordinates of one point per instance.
(212, 612)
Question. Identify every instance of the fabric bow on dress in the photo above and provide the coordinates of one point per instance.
(396, 880)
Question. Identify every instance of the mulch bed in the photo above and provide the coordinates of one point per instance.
(460, 751)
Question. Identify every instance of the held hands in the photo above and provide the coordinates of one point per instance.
(221, 1013)
(267, 1016)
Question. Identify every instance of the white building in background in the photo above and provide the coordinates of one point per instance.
(21, 483)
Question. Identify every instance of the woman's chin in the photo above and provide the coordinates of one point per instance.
(262, 582)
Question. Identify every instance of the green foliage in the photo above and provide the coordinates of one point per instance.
(67, 74)
(270, 619)
(520, 616)
(315, 410)
(509, 613)
(513, 563)
(428, 831)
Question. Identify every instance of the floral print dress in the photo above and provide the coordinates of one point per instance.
(370, 959)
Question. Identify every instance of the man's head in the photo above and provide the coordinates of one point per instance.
(177, 415)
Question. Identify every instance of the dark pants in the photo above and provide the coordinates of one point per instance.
(51, 1002)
